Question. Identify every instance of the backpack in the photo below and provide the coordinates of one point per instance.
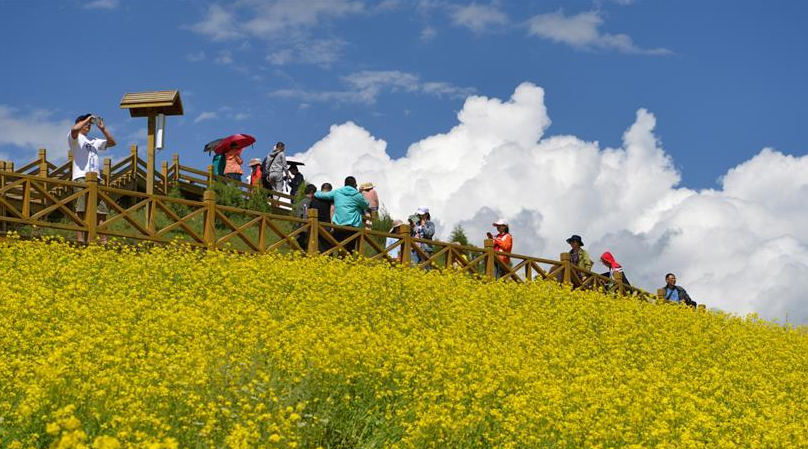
(218, 164)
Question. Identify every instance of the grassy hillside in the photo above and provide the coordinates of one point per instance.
(170, 347)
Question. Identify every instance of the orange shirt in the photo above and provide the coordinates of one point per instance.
(233, 162)
(504, 243)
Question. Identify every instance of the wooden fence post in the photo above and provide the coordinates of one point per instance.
(566, 263)
(2, 184)
(69, 165)
(210, 176)
(209, 197)
(175, 162)
(43, 162)
(489, 258)
(150, 153)
(107, 172)
(314, 237)
(133, 156)
(660, 295)
(164, 174)
(618, 280)
(406, 247)
(91, 211)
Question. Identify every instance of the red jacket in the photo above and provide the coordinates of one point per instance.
(504, 243)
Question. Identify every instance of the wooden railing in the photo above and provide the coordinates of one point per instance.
(25, 200)
(131, 171)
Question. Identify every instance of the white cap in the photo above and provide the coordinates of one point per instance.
(500, 222)
(422, 211)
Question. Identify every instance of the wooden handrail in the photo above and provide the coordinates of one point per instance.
(17, 187)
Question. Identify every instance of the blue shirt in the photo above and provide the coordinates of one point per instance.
(672, 294)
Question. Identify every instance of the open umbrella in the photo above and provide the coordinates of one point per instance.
(241, 141)
(211, 145)
(290, 162)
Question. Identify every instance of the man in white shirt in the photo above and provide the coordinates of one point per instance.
(86, 159)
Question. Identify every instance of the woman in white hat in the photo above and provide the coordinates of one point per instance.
(503, 242)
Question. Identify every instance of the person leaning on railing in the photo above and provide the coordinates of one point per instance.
(349, 206)
(86, 160)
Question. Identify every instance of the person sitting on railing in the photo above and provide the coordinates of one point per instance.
(295, 179)
(232, 166)
(85, 160)
(578, 256)
(255, 172)
(675, 293)
(608, 259)
(349, 206)
(274, 168)
(503, 242)
(424, 229)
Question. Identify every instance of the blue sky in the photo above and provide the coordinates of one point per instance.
(723, 79)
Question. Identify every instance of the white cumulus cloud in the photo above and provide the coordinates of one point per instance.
(741, 248)
(31, 130)
(582, 31)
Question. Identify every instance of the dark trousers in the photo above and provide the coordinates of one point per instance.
(342, 234)
(234, 176)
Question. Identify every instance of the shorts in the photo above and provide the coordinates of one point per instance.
(81, 202)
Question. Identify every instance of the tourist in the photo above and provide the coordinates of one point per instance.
(395, 253)
(325, 210)
(579, 257)
(675, 293)
(233, 161)
(274, 168)
(349, 206)
(608, 260)
(86, 160)
(255, 172)
(295, 179)
(302, 211)
(369, 192)
(424, 229)
(503, 242)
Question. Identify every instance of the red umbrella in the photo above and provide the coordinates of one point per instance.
(241, 141)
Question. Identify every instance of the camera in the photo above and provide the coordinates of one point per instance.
(94, 120)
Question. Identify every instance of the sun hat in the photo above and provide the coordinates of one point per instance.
(422, 211)
(255, 161)
(500, 222)
(575, 238)
(396, 223)
(366, 186)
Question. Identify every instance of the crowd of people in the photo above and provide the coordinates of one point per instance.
(350, 206)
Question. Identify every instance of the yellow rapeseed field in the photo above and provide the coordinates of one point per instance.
(175, 348)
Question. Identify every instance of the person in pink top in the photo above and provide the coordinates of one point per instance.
(369, 192)
(232, 166)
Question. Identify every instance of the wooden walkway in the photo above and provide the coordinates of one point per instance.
(41, 196)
